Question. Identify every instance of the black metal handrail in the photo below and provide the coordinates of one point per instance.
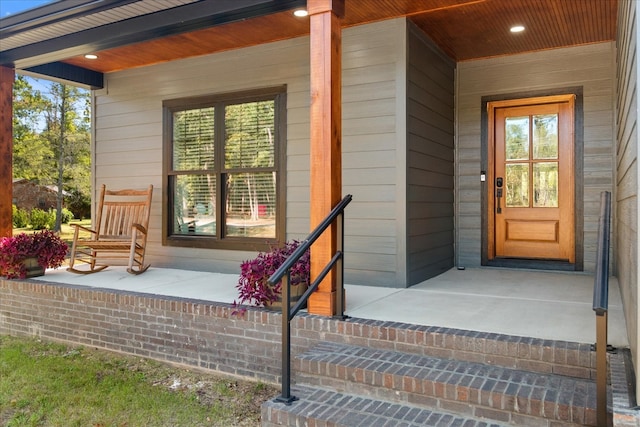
(601, 306)
(601, 281)
(283, 273)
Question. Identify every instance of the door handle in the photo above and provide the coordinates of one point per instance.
(499, 182)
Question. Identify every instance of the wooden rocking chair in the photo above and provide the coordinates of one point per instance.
(120, 232)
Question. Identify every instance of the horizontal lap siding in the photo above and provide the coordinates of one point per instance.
(430, 160)
(128, 142)
(128, 125)
(590, 67)
(370, 154)
(626, 199)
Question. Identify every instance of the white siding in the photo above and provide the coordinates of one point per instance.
(128, 140)
(592, 68)
(626, 198)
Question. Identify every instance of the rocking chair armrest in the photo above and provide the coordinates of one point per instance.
(140, 228)
(78, 226)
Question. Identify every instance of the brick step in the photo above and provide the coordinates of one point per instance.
(526, 353)
(321, 407)
(510, 396)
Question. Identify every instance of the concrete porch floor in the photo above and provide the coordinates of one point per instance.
(539, 304)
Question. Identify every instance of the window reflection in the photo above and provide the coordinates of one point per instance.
(517, 138)
(517, 183)
(545, 185)
(545, 136)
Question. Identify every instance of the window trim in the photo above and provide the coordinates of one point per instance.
(278, 94)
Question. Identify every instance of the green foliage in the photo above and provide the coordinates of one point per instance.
(40, 219)
(33, 158)
(28, 104)
(79, 203)
(52, 137)
(67, 216)
(20, 217)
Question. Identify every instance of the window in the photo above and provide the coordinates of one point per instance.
(224, 167)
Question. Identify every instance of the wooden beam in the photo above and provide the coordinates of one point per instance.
(7, 76)
(326, 140)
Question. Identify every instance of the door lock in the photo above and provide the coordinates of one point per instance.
(499, 183)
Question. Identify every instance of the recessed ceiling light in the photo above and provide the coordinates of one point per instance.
(517, 29)
(300, 13)
(91, 56)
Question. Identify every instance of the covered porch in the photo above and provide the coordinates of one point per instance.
(393, 107)
(536, 325)
(512, 327)
(526, 303)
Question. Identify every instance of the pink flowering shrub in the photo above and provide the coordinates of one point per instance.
(45, 245)
(253, 285)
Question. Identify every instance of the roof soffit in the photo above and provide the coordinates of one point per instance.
(464, 29)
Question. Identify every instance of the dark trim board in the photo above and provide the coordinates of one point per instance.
(533, 264)
(68, 73)
(578, 176)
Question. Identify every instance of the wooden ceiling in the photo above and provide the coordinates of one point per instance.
(464, 29)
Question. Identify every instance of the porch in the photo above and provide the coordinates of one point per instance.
(527, 303)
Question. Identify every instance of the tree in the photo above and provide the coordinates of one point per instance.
(67, 133)
(32, 155)
(52, 138)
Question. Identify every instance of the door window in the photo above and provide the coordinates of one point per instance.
(531, 161)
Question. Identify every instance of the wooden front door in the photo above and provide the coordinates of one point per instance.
(531, 179)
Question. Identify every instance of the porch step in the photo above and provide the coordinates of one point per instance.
(478, 391)
(524, 353)
(323, 407)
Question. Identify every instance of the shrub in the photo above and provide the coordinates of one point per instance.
(79, 204)
(253, 285)
(67, 216)
(20, 217)
(40, 219)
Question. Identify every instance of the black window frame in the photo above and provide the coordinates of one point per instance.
(220, 241)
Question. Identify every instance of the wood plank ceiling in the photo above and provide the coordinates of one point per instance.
(464, 29)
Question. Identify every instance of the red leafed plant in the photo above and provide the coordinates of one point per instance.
(253, 285)
(44, 245)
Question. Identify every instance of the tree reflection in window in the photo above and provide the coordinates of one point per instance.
(545, 136)
(517, 138)
(517, 183)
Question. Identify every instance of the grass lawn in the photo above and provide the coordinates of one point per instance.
(50, 384)
(66, 233)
